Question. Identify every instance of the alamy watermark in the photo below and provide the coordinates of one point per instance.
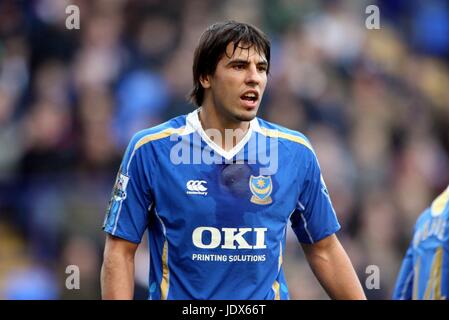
(72, 282)
(373, 279)
(73, 19)
(259, 149)
(373, 19)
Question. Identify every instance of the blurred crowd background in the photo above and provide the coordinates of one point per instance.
(374, 103)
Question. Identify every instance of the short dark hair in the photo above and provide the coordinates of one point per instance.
(212, 47)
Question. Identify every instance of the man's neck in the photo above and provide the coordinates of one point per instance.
(231, 132)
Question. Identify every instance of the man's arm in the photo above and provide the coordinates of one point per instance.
(117, 271)
(333, 269)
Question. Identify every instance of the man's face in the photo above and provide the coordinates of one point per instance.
(237, 86)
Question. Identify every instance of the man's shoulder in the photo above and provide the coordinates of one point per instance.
(164, 130)
(424, 216)
(438, 208)
(292, 137)
(440, 205)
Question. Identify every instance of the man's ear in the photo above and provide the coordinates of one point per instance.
(205, 81)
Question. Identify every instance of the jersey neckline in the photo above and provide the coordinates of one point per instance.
(193, 123)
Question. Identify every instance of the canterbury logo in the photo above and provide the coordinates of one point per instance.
(196, 187)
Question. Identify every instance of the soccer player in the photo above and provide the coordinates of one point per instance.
(424, 272)
(217, 208)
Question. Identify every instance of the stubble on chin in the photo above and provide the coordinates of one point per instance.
(245, 116)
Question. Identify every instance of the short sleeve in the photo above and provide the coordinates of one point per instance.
(127, 213)
(314, 217)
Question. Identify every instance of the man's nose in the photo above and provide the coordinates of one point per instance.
(253, 75)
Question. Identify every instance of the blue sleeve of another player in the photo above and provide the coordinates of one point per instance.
(127, 214)
(404, 284)
(314, 217)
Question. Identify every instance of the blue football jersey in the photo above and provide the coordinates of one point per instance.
(424, 272)
(216, 219)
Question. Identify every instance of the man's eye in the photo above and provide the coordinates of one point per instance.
(262, 69)
(239, 66)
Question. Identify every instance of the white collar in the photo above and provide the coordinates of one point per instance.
(193, 123)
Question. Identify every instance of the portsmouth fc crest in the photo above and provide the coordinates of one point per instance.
(261, 187)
